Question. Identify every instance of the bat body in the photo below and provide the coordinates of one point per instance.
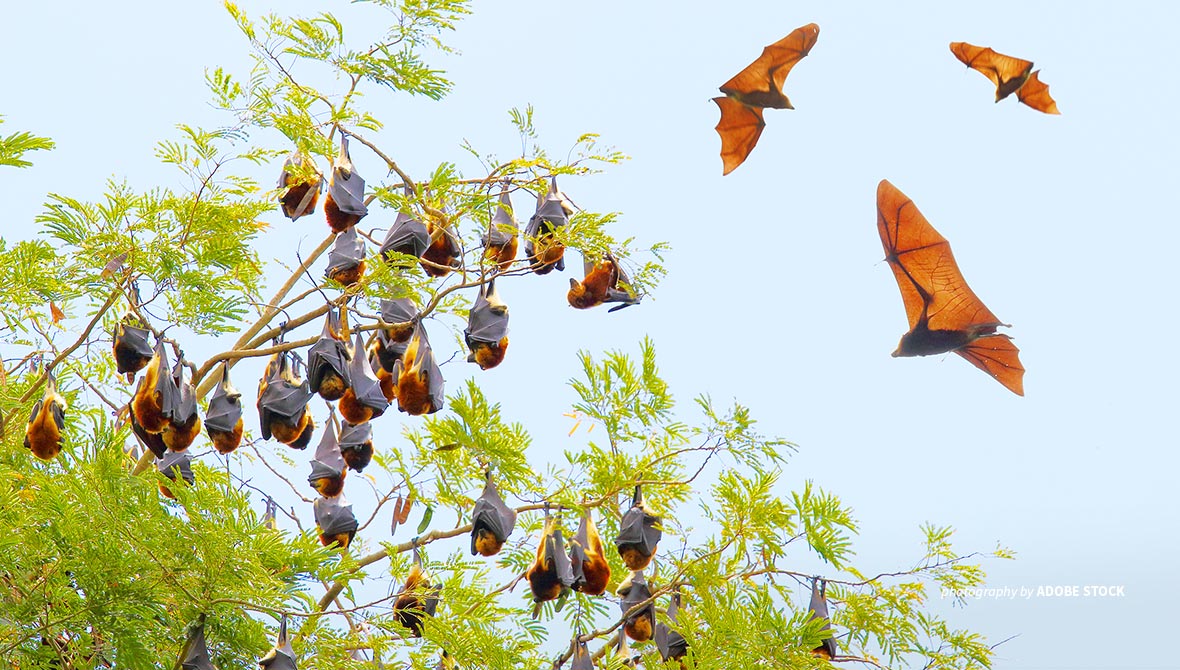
(551, 572)
(487, 328)
(302, 192)
(197, 656)
(944, 313)
(223, 420)
(131, 347)
(346, 260)
(588, 559)
(43, 434)
(671, 643)
(756, 87)
(356, 444)
(639, 534)
(327, 469)
(819, 610)
(501, 241)
(407, 235)
(492, 521)
(156, 394)
(639, 625)
(282, 405)
(335, 521)
(153, 441)
(444, 251)
(282, 657)
(327, 360)
(184, 422)
(600, 285)
(399, 316)
(418, 600)
(175, 464)
(419, 380)
(363, 399)
(582, 659)
(1010, 75)
(345, 204)
(543, 247)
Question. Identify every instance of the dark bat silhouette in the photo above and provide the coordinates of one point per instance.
(223, 420)
(639, 533)
(327, 360)
(492, 521)
(639, 625)
(1010, 75)
(487, 328)
(197, 657)
(501, 241)
(944, 313)
(819, 610)
(670, 642)
(131, 347)
(327, 468)
(758, 86)
(302, 193)
(345, 204)
(407, 235)
(418, 599)
(282, 657)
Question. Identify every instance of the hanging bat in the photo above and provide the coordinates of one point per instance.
(327, 360)
(327, 469)
(385, 378)
(345, 204)
(399, 317)
(542, 247)
(819, 610)
(492, 521)
(175, 464)
(130, 344)
(223, 420)
(1010, 75)
(356, 444)
(184, 424)
(601, 285)
(588, 558)
(197, 655)
(157, 395)
(407, 235)
(444, 251)
(282, 405)
(419, 381)
(43, 434)
(282, 657)
(153, 441)
(639, 533)
(551, 574)
(944, 314)
(671, 644)
(501, 241)
(418, 599)
(487, 328)
(641, 624)
(363, 399)
(581, 660)
(301, 193)
(758, 86)
(335, 521)
(346, 260)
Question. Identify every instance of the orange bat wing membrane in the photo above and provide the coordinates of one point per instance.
(761, 83)
(1006, 72)
(740, 127)
(944, 313)
(1035, 94)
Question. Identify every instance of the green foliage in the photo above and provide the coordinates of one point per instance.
(13, 147)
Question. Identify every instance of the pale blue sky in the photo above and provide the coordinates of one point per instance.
(1064, 226)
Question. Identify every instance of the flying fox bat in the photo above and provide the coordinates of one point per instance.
(588, 558)
(157, 395)
(487, 328)
(756, 87)
(282, 657)
(671, 644)
(582, 659)
(542, 247)
(43, 434)
(501, 241)
(551, 574)
(327, 360)
(363, 399)
(175, 464)
(1010, 75)
(223, 420)
(407, 235)
(399, 315)
(302, 192)
(492, 521)
(335, 521)
(444, 251)
(419, 381)
(345, 204)
(130, 344)
(640, 625)
(601, 285)
(418, 599)
(184, 424)
(639, 533)
(153, 441)
(197, 656)
(327, 469)
(944, 313)
(356, 444)
(346, 260)
(819, 610)
(282, 404)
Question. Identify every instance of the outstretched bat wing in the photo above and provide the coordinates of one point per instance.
(997, 356)
(740, 127)
(1006, 72)
(761, 83)
(1035, 94)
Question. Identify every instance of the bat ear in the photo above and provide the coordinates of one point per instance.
(573, 283)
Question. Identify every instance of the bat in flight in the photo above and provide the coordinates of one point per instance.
(944, 313)
(758, 86)
(1010, 75)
